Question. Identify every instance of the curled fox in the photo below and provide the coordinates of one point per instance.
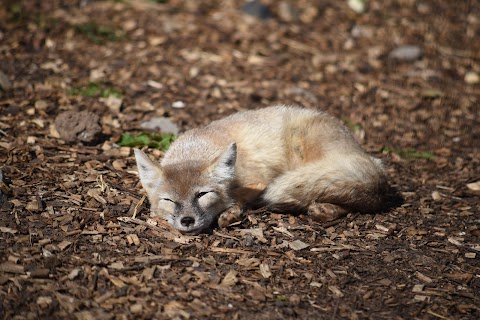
(285, 158)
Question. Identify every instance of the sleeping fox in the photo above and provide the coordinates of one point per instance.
(285, 158)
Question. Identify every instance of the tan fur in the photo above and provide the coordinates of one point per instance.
(287, 158)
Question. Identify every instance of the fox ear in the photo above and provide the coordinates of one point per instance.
(224, 167)
(149, 172)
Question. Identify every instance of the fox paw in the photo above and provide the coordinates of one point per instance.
(229, 216)
(326, 211)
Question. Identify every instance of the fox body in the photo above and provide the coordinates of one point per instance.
(285, 158)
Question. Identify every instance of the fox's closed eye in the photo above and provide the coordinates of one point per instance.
(167, 199)
(201, 194)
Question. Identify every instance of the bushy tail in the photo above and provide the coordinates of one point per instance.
(356, 183)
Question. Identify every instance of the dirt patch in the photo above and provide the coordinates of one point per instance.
(69, 247)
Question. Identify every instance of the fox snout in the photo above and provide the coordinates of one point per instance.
(187, 221)
(190, 224)
(197, 214)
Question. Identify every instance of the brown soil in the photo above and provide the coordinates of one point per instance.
(68, 245)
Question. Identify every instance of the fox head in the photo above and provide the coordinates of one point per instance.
(189, 194)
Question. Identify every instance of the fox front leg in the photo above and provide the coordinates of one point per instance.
(231, 215)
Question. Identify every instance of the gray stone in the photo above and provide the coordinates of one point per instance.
(256, 9)
(406, 53)
(163, 124)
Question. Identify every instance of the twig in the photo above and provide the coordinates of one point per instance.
(437, 315)
(224, 235)
(334, 315)
(138, 205)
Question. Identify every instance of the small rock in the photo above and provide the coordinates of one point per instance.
(358, 6)
(358, 31)
(165, 125)
(41, 105)
(294, 299)
(5, 84)
(436, 196)
(81, 126)
(154, 84)
(178, 104)
(249, 240)
(287, 12)
(97, 74)
(300, 91)
(470, 255)
(136, 308)
(129, 25)
(44, 302)
(113, 103)
(256, 9)
(472, 77)
(406, 53)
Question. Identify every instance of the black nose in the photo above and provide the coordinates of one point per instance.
(187, 221)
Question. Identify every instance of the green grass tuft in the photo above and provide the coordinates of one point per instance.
(99, 34)
(409, 153)
(93, 89)
(157, 141)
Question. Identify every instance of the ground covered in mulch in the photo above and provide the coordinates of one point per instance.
(70, 247)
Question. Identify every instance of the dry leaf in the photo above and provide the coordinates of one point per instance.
(116, 281)
(113, 103)
(336, 291)
(73, 274)
(475, 186)
(248, 262)
(147, 273)
(423, 277)
(418, 288)
(230, 279)
(298, 245)
(421, 298)
(256, 232)
(283, 230)
(133, 239)
(64, 244)
(8, 230)
(117, 265)
(175, 309)
(265, 271)
(96, 194)
(68, 303)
